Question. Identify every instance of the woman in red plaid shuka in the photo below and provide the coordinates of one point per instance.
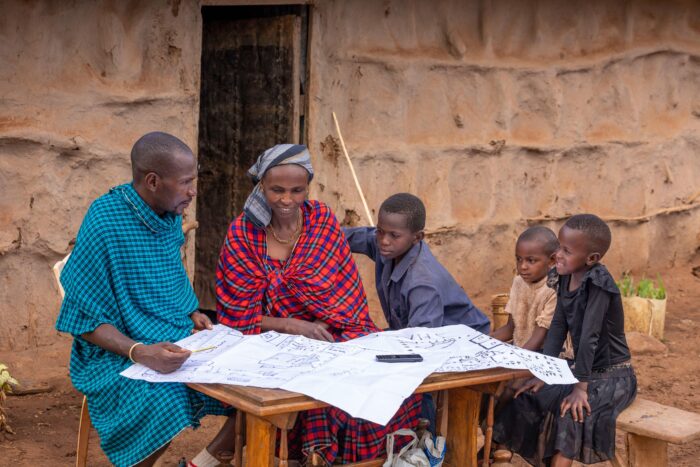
(285, 266)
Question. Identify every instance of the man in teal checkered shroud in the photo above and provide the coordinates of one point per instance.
(128, 296)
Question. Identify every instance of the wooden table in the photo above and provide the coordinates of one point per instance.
(270, 409)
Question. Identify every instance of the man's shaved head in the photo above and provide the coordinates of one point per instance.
(165, 172)
(157, 152)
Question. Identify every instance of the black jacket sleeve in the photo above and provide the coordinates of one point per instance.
(556, 335)
(593, 320)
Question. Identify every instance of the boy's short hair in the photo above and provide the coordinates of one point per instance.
(545, 236)
(409, 205)
(595, 229)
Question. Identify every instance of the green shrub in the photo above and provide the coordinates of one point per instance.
(646, 288)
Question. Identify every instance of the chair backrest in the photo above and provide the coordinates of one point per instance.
(57, 270)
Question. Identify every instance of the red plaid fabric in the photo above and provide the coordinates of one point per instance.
(338, 437)
(318, 281)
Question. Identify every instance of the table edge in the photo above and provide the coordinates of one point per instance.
(298, 402)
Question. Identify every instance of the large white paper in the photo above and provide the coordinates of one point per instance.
(479, 351)
(347, 374)
(200, 366)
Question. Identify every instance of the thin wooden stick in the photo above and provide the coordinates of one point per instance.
(352, 171)
(624, 220)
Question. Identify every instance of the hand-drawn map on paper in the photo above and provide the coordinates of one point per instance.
(346, 374)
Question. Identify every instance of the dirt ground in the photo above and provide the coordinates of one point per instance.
(46, 425)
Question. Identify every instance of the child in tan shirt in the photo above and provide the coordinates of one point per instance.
(531, 303)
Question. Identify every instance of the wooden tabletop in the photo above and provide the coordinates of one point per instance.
(266, 402)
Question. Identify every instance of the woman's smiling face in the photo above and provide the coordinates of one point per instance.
(285, 188)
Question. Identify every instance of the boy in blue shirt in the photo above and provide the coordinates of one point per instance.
(414, 289)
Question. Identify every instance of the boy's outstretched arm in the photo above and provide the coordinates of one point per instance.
(362, 240)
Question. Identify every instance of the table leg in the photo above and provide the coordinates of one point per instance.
(240, 437)
(260, 442)
(441, 405)
(462, 425)
(488, 436)
(284, 452)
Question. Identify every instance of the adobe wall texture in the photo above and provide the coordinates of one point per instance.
(79, 83)
(495, 113)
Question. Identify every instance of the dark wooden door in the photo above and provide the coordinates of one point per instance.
(249, 101)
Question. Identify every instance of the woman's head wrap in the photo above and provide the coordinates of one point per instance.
(256, 208)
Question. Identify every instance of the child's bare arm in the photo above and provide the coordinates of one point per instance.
(536, 340)
(504, 333)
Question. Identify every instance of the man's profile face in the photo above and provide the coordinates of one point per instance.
(176, 189)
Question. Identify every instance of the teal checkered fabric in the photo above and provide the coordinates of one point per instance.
(126, 271)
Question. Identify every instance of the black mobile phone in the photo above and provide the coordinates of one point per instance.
(399, 358)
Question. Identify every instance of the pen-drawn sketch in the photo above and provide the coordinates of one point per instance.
(290, 360)
(347, 374)
(486, 342)
(426, 341)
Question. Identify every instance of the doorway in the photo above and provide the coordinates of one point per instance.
(253, 76)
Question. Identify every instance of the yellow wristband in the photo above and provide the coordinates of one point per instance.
(132, 349)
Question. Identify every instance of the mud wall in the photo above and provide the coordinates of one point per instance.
(496, 113)
(79, 83)
(499, 114)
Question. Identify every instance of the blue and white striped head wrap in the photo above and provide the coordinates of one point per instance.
(256, 208)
